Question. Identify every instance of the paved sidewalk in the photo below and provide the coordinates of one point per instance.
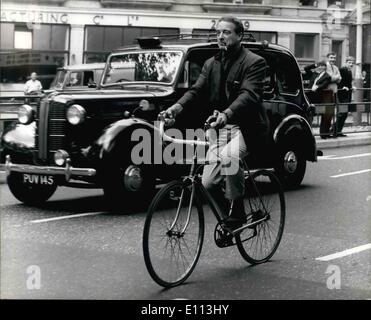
(356, 136)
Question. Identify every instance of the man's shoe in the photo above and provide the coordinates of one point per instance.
(238, 216)
(324, 137)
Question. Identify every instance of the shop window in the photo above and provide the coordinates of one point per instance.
(239, 1)
(312, 3)
(94, 38)
(50, 37)
(112, 38)
(42, 35)
(6, 35)
(338, 3)
(59, 38)
(258, 35)
(22, 38)
(100, 40)
(305, 45)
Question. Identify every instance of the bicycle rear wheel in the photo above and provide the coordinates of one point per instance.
(265, 205)
(173, 234)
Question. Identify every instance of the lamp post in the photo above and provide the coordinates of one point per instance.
(358, 94)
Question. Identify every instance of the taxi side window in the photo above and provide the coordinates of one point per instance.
(75, 79)
(194, 71)
(196, 60)
(288, 82)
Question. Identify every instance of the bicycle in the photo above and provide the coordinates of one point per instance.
(174, 227)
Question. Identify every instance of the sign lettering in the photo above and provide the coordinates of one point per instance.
(34, 17)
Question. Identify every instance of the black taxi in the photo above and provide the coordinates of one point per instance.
(84, 138)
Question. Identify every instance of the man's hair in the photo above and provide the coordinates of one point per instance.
(331, 54)
(321, 63)
(350, 58)
(238, 25)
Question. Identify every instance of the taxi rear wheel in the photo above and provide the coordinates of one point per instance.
(29, 193)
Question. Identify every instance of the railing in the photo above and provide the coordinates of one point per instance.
(335, 108)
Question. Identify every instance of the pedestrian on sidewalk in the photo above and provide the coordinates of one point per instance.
(33, 86)
(318, 82)
(331, 96)
(344, 94)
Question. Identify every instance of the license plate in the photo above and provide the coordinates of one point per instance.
(37, 179)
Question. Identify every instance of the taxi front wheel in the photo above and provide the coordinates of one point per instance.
(128, 187)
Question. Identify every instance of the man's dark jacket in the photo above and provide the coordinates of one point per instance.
(318, 96)
(243, 89)
(346, 81)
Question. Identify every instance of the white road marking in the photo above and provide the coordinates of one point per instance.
(345, 253)
(350, 173)
(71, 216)
(333, 157)
(328, 157)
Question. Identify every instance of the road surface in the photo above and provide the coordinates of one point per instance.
(76, 250)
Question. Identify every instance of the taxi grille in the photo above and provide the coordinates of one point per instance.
(50, 132)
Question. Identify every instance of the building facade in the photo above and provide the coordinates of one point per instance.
(42, 35)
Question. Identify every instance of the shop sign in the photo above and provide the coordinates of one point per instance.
(33, 17)
(29, 58)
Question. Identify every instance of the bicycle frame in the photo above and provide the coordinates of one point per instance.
(187, 224)
(197, 186)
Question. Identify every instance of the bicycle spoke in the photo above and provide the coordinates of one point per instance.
(171, 254)
(265, 201)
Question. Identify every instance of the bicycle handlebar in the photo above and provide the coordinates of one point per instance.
(162, 119)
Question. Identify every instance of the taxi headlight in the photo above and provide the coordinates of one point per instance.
(25, 114)
(76, 114)
(60, 157)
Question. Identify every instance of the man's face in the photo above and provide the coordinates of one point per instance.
(227, 36)
(33, 76)
(331, 58)
(321, 69)
(350, 64)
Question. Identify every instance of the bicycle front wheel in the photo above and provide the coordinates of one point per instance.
(173, 234)
(265, 207)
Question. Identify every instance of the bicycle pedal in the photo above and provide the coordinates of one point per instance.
(225, 241)
(222, 237)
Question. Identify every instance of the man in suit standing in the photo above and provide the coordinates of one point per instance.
(318, 83)
(232, 82)
(334, 73)
(344, 93)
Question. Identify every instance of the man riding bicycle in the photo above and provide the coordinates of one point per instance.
(232, 82)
